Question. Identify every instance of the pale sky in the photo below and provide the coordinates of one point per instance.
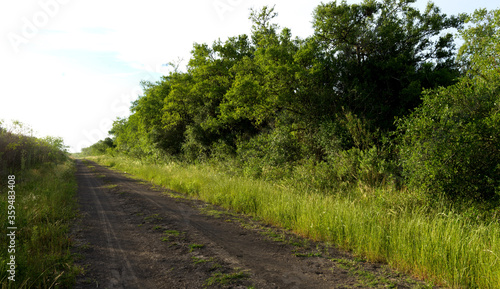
(68, 68)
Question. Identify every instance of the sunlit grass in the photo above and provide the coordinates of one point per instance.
(380, 224)
(44, 207)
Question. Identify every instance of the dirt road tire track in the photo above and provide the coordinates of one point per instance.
(120, 238)
(103, 221)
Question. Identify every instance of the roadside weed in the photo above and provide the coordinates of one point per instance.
(153, 218)
(224, 279)
(192, 247)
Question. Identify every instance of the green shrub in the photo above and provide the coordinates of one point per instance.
(451, 144)
(352, 152)
(195, 147)
(369, 167)
(101, 147)
(222, 151)
(272, 154)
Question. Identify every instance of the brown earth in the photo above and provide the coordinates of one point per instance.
(133, 235)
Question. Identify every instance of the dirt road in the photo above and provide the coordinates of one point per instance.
(132, 235)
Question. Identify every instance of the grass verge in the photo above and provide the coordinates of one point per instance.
(436, 244)
(44, 206)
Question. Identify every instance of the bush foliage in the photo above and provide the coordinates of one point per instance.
(270, 103)
(450, 144)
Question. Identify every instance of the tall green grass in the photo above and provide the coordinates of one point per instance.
(386, 225)
(45, 206)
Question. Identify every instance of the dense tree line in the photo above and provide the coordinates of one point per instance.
(268, 99)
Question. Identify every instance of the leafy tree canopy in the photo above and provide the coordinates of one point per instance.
(384, 53)
(450, 144)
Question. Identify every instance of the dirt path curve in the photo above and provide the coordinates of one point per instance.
(132, 235)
